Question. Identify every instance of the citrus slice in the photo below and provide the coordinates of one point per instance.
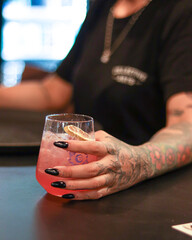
(76, 132)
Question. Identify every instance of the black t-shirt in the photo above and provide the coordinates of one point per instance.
(127, 95)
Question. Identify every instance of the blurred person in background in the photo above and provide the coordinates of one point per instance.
(130, 69)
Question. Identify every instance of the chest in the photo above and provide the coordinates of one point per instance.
(132, 72)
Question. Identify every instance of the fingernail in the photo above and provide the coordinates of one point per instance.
(52, 171)
(61, 144)
(58, 184)
(68, 196)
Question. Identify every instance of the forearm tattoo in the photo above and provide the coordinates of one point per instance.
(168, 149)
(171, 147)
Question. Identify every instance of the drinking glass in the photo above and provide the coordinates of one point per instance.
(51, 156)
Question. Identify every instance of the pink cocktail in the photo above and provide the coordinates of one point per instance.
(51, 156)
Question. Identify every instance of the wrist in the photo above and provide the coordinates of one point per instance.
(143, 158)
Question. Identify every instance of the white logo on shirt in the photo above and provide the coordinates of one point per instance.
(128, 75)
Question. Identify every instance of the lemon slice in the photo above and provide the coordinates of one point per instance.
(76, 132)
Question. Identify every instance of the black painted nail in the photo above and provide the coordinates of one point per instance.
(52, 171)
(68, 196)
(61, 144)
(59, 184)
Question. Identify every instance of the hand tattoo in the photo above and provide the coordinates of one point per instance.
(125, 168)
(127, 165)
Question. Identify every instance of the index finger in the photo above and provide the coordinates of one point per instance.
(96, 148)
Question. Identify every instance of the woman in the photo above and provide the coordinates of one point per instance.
(130, 69)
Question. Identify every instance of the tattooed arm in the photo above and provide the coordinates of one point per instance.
(171, 147)
(120, 165)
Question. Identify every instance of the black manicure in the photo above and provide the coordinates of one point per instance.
(68, 196)
(59, 184)
(61, 144)
(52, 171)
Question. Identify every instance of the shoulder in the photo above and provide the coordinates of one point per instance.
(185, 4)
(173, 7)
(179, 15)
(181, 7)
(98, 5)
(96, 9)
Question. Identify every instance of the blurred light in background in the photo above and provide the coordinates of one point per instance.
(40, 30)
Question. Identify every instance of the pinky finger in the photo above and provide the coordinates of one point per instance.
(89, 194)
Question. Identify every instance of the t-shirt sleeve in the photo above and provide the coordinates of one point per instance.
(175, 62)
(66, 67)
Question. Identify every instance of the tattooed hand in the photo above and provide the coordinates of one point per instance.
(117, 167)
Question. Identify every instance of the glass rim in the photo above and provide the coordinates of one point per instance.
(50, 117)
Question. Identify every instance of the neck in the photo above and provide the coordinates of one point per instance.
(125, 8)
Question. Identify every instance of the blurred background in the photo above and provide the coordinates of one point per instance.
(37, 33)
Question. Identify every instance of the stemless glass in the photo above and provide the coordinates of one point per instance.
(51, 156)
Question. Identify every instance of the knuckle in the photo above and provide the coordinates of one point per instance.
(98, 195)
(117, 166)
(96, 184)
(96, 148)
(68, 172)
(92, 170)
(100, 132)
(96, 151)
(111, 149)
